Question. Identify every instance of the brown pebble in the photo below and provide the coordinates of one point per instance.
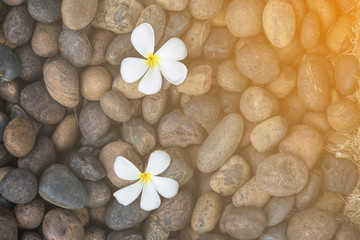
(45, 39)
(115, 105)
(30, 215)
(8, 225)
(204, 9)
(94, 82)
(197, 82)
(66, 133)
(76, 15)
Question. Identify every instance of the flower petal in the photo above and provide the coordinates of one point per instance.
(173, 49)
(133, 69)
(167, 187)
(175, 72)
(150, 199)
(158, 162)
(128, 194)
(151, 82)
(143, 39)
(125, 169)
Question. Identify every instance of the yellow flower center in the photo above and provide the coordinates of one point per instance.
(152, 60)
(145, 177)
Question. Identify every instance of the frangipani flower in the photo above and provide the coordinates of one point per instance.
(149, 183)
(164, 61)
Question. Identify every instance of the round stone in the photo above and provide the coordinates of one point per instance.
(30, 215)
(77, 14)
(45, 11)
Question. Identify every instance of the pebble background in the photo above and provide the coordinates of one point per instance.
(246, 130)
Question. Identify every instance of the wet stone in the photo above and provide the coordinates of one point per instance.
(219, 44)
(10, 65)
(45, 11)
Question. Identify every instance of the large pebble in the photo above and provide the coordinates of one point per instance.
(207, 212)
(176, 130)
(221, 143)
(278, 208)
(62, 224)
(30, 215)
(65, 134)
(312, 223)
(31, 63)
(59, 185)
(282, 174)
(36, 101)
(120, 217)
(197, 82)
(340, 175)
(45, 11)
(231, 176)
(203, 10)
(42, 156)
(310, 192)
(245, 222)
(19, 186)
(174, 213)
(18, 25)
(229, 77)
(304, 142)
(19, 137)
(94, 82)
(98, 193)
(8, 225)
(10, 65)
(44, 41)
(62, 82)
(76, 15)
(219, 45)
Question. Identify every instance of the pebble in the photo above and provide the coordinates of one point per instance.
(19, 186)
(304, 142)
(66, 133)
(152, 230)
(129, 234)
(221, 143)
(173, 5)
(206, 213)
(229, 101)
(30, 215)
(340, 175)
(8, 225)
(318, 121)
(177, 24)
(343, 115)
(18, 25)
(278, 208)
(219, 45)
(110, 12)
(197, 82)
(97, 215)
(83, 215)
(213, 236)
(174, 213)
(75, 47)
(10, 91)
(92, 233)
(61, 187)
(312, 223)
(95, 81)
(85, 164)
(245, 222)
(93, 123)
(45, 11)
(292, 108)
(231, 176)
(115, 105)
(44, 41)
(42, 155)
(277, 232)
(284, 83)
(176, 130)
(130, 90)
(191, 38)
(204, 10)
(30, 235)
(119, 49)
(250, 195)
(282, 174)
(347, 231)
(229, 78)
(139, 134)
(227, 209)
(100, 40)
(19, 137)
(10, 64)
(153, 107)
(345, 72)
(310, 192)
(62, 224)
(31, 63)
(120, 217)
(78, 14)
(330, 201)
(98, 193)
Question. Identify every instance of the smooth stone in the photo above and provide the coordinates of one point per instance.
(340, 175)
(204, 9)
(206, 213)
(176, 130)
(282, 175)
(229, 101)
(30, 215)
(194, 46)
(253, 156)
(45, 11)
(31, 63)
(245, 222)
(66, 134)
(129, 234)
(177, 24)
(18, 112)
(92, 233)
(41, 157)
(174, 213)
(152, 230)
(130, 90)
(197, 82)
(118, 16)
(8, 225)
(250, 195)
(173, 5)
(343, 115)
(83, 215)
(60, 186)
(347, 231)
(119, 49)
(227, 209)
(19, 186)
(219, 45)
(153, 107)
(139, 134)
(229, 77)
(278, 208)
(100, 40)
(85, 165)
(221, 143)
(10, 65)
(346, 71)
(111, 135)
(95, 81)
(277, 232)
(310, 192)
(231, 176)
(45, 38)
(18, 25)
(188, 233)
(78, 14)
(116, 106)
(330, 201)
(10, 91)
(98, 193)
(312, 223)
(120, 217)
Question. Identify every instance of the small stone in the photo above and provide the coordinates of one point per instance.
(284, 83)
(245, 222)
(310, 192)
(312, 223)
(119, 49)
(206, 213)
(66, 133)
(98, 193)
(346, 70)
(193, 43)
(78, 14)
(177, 23)
(203, 10)
(45, 11)
(100, 40)
(61, 187)
(92, 233)
(153, 107)
(30, 215)
(62, 224)
(152, 230)
(115, 105)
(347, 231)
(120, 217)
(10, 65)
(278, 208)
(111, 135)
(219, 45)
(8, 225)
(174, 213)
(95, 81)
(139, 134)
(229, 77)
(197, 82)
(19, 186)
(130, 90)
(45, 38)
(176, 130)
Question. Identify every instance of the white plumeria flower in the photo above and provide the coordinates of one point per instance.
(164, 61)
(149, 183)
